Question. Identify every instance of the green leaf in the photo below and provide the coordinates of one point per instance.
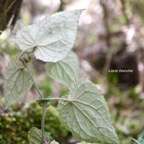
(86, 114)
(53, 37)
(35, 135)
(17, 83)
(64, 71)
(141, 137)
(136, 141)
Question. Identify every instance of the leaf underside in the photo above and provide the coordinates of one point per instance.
(53, 37)
(64, 71)
(17, 83)
(86, 114)
(35, 136)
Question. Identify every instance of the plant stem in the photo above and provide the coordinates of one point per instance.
(22, 59)
(41, 96)
(52, 99)
(63, 99)
(43, 122)
(37, 88)
(44, 104)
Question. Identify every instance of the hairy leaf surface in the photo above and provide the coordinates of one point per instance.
(52, 38)
(65, 70)
(35, 135)
(17, 83)
(86, 114)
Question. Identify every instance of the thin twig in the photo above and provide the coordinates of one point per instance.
(22, 59)
(10, 6)
(23, 52)
(43, 122)
(37, 88)
(44, 105)
(108, 36)
(41, 96)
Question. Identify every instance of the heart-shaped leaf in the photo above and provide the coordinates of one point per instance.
(52, 38)
(64, 71)
(86, 114)
(17, 83)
